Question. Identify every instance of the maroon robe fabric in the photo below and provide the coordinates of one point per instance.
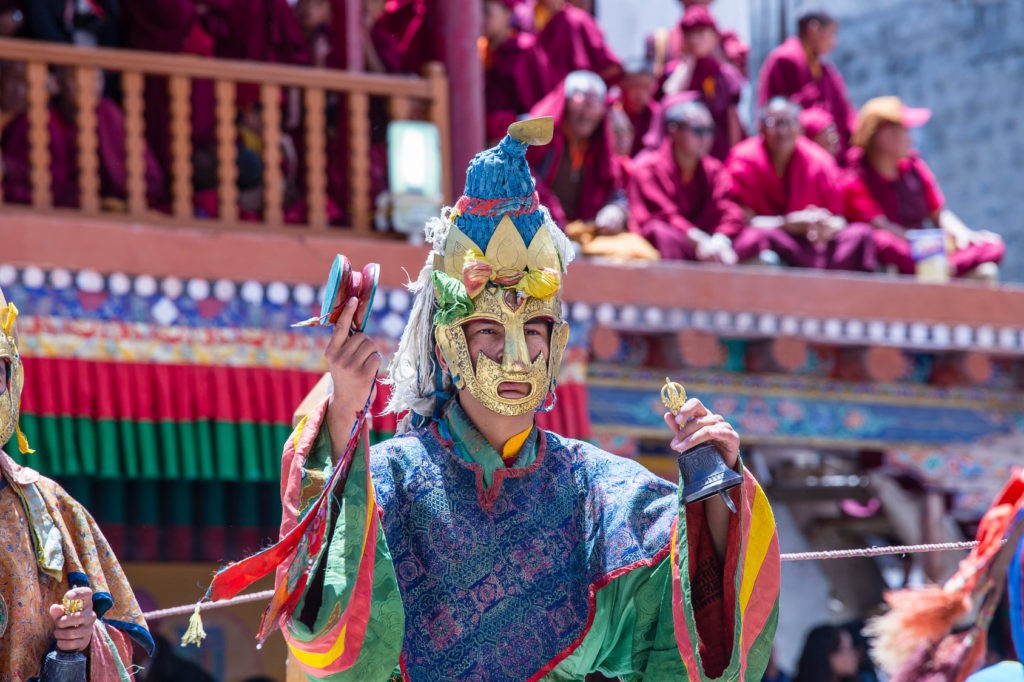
(405, 21)
(717, 84)
(600, 181)
(787, 73)
(812, 178)
(262, 31)
(912, 200)
(573, 41)
(663, 207)
(17, 182)
(516, 76)
(175, 26)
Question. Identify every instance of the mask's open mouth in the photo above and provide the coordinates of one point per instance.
(514, 390)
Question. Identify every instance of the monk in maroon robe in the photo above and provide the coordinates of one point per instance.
(578, 176)
(573, 41)
(716, 82)
(177, 27)
(679, 196)
(792, 193)
(63, 130)
(893, 189)
(666, 45)
(636, 99)
(402, 26)
(516, 70)
(796, 70)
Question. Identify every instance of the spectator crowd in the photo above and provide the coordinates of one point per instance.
(650, 158)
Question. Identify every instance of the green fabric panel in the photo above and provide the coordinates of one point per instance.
(188, 450)
(169, 449)
(111, 505)
(226, 443)
(113, 449)
(179, 503)
(204, 451)
(149, 449)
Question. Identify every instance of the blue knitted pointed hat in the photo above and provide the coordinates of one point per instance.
(499, 184)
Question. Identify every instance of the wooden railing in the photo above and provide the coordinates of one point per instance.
(181, 71)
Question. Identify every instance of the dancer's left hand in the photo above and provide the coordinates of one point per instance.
(695, 424)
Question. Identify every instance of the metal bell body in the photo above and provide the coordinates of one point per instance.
(704, 474)
(64, 666)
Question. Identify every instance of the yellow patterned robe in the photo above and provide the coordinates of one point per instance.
(48, 544)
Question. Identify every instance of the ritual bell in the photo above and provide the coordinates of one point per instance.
(701, 468)
(64, 666)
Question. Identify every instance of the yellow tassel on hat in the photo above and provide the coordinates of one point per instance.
(10, 315)
(22, 440)
(195, 634)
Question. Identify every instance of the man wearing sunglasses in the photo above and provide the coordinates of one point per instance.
(679, 194)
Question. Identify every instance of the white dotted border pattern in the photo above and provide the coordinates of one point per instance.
(902, 334)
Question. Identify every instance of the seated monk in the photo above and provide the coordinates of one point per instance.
(666, 45)
(636, 100)
(516, 70)
(792, 193)
(573, 41)
(578, 176)
(679, 195)
(892, 188)
(63, 129)
(716, 82)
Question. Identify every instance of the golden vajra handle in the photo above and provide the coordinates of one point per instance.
(673, 395)
(73, 606)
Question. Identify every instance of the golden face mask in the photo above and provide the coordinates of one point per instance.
(12, 375)
(512, 310)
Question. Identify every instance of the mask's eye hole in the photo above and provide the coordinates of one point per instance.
(8, 371)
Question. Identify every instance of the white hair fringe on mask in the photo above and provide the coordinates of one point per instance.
(413, 372)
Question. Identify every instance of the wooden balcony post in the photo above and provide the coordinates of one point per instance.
(39, 135)
(273, 180)
(180, 89)
(316, 158)
(88, 140)
(437, 84)
(399, 108)
(359, 160)
(455, 27)
(227, 153)
(134, 142)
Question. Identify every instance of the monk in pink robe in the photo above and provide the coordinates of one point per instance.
(516, 70)
(716, 82)
(792, 193)
(573, 41)
(679, 196)
(578, 176)
(797, 70)
(892, 188)
(63, 131)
